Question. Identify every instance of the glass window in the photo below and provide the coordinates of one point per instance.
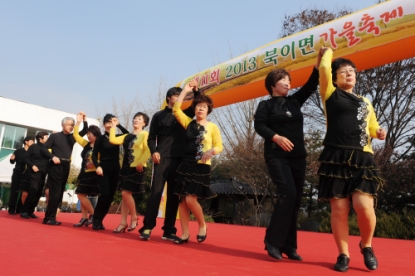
(13, 137)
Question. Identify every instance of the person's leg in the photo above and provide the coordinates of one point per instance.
(197, 211)
(366, 219)
(24, 196)
(124, 214)
(30, 201)
(86, 206)
(340, 223)
(282, 216)
(172, 202)
(55, 191)
(128, 201)
(184, 219)
(104, 187)
(297, 173)
(14, 191)
(156, 191)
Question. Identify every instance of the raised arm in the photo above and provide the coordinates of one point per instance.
(76, 134)
(196, 92)
(181, 117)
(115, 140)
(326, 83)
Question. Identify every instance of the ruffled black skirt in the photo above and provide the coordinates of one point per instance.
(193, 179)
(133, 181)
(87, 184)
(344, 171)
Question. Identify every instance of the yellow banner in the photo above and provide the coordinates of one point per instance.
(372, 37)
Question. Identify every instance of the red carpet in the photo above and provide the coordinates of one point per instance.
(29, 247)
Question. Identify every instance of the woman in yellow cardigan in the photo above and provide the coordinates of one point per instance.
(203, 141)
(348, 171)
(87, 179)
(134, 167)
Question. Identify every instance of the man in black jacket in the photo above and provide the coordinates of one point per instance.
(61, 145)
(18, 157)
(167, 141)
(37, 168)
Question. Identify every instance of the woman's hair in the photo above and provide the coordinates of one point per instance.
(40, 135)
(337, 64)
(275, 76)
(145, 117)
(94, 130)
(108, 118)
(203, 99)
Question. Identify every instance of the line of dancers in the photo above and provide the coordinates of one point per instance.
(181, 144)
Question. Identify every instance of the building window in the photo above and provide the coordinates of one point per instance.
(13, 137)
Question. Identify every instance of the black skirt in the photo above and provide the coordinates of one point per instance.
(133, 181)
(344, 171)
(87, 184)
(193, 179)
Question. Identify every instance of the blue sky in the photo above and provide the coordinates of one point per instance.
(78, 55)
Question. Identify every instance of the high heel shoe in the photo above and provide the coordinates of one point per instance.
(181, 241)
(272, 250)
(131, 227)
(201, 238)
(118, 230)
(89, 220)
(81, 222)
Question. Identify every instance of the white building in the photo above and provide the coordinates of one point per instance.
(18, 120)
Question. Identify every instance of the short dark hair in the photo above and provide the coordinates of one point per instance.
(28, 138)
(275, 76)
(40, 135)
(203, 99)
(145, 117)
(94, 130)
(108, 118)
(172, 91)
(337, 64)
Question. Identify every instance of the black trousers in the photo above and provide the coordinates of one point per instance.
(288, 174)
(164, 171)
(57, 177)
(108, 186)
(15, 204)
(37, 182)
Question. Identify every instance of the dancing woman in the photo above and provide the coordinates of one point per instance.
(348, 171)
(203, 141)
(279, 121)
(134, 167)
(87, 179)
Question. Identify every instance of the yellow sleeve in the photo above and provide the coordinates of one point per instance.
(326, 84)
(180, 116)
(114, 139)
(142, 140)
(372, 121)
(216, 140)
(83, 142)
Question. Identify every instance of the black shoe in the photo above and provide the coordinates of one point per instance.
(25, 215)
(51, 222)
(342, 263)
(169, 237)
(291, 254)
(145, 234)
(369, 257)
(181, 241)
(81, 222)
(33, 216)
(201, 238)
(97, 225)
(272, 250)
